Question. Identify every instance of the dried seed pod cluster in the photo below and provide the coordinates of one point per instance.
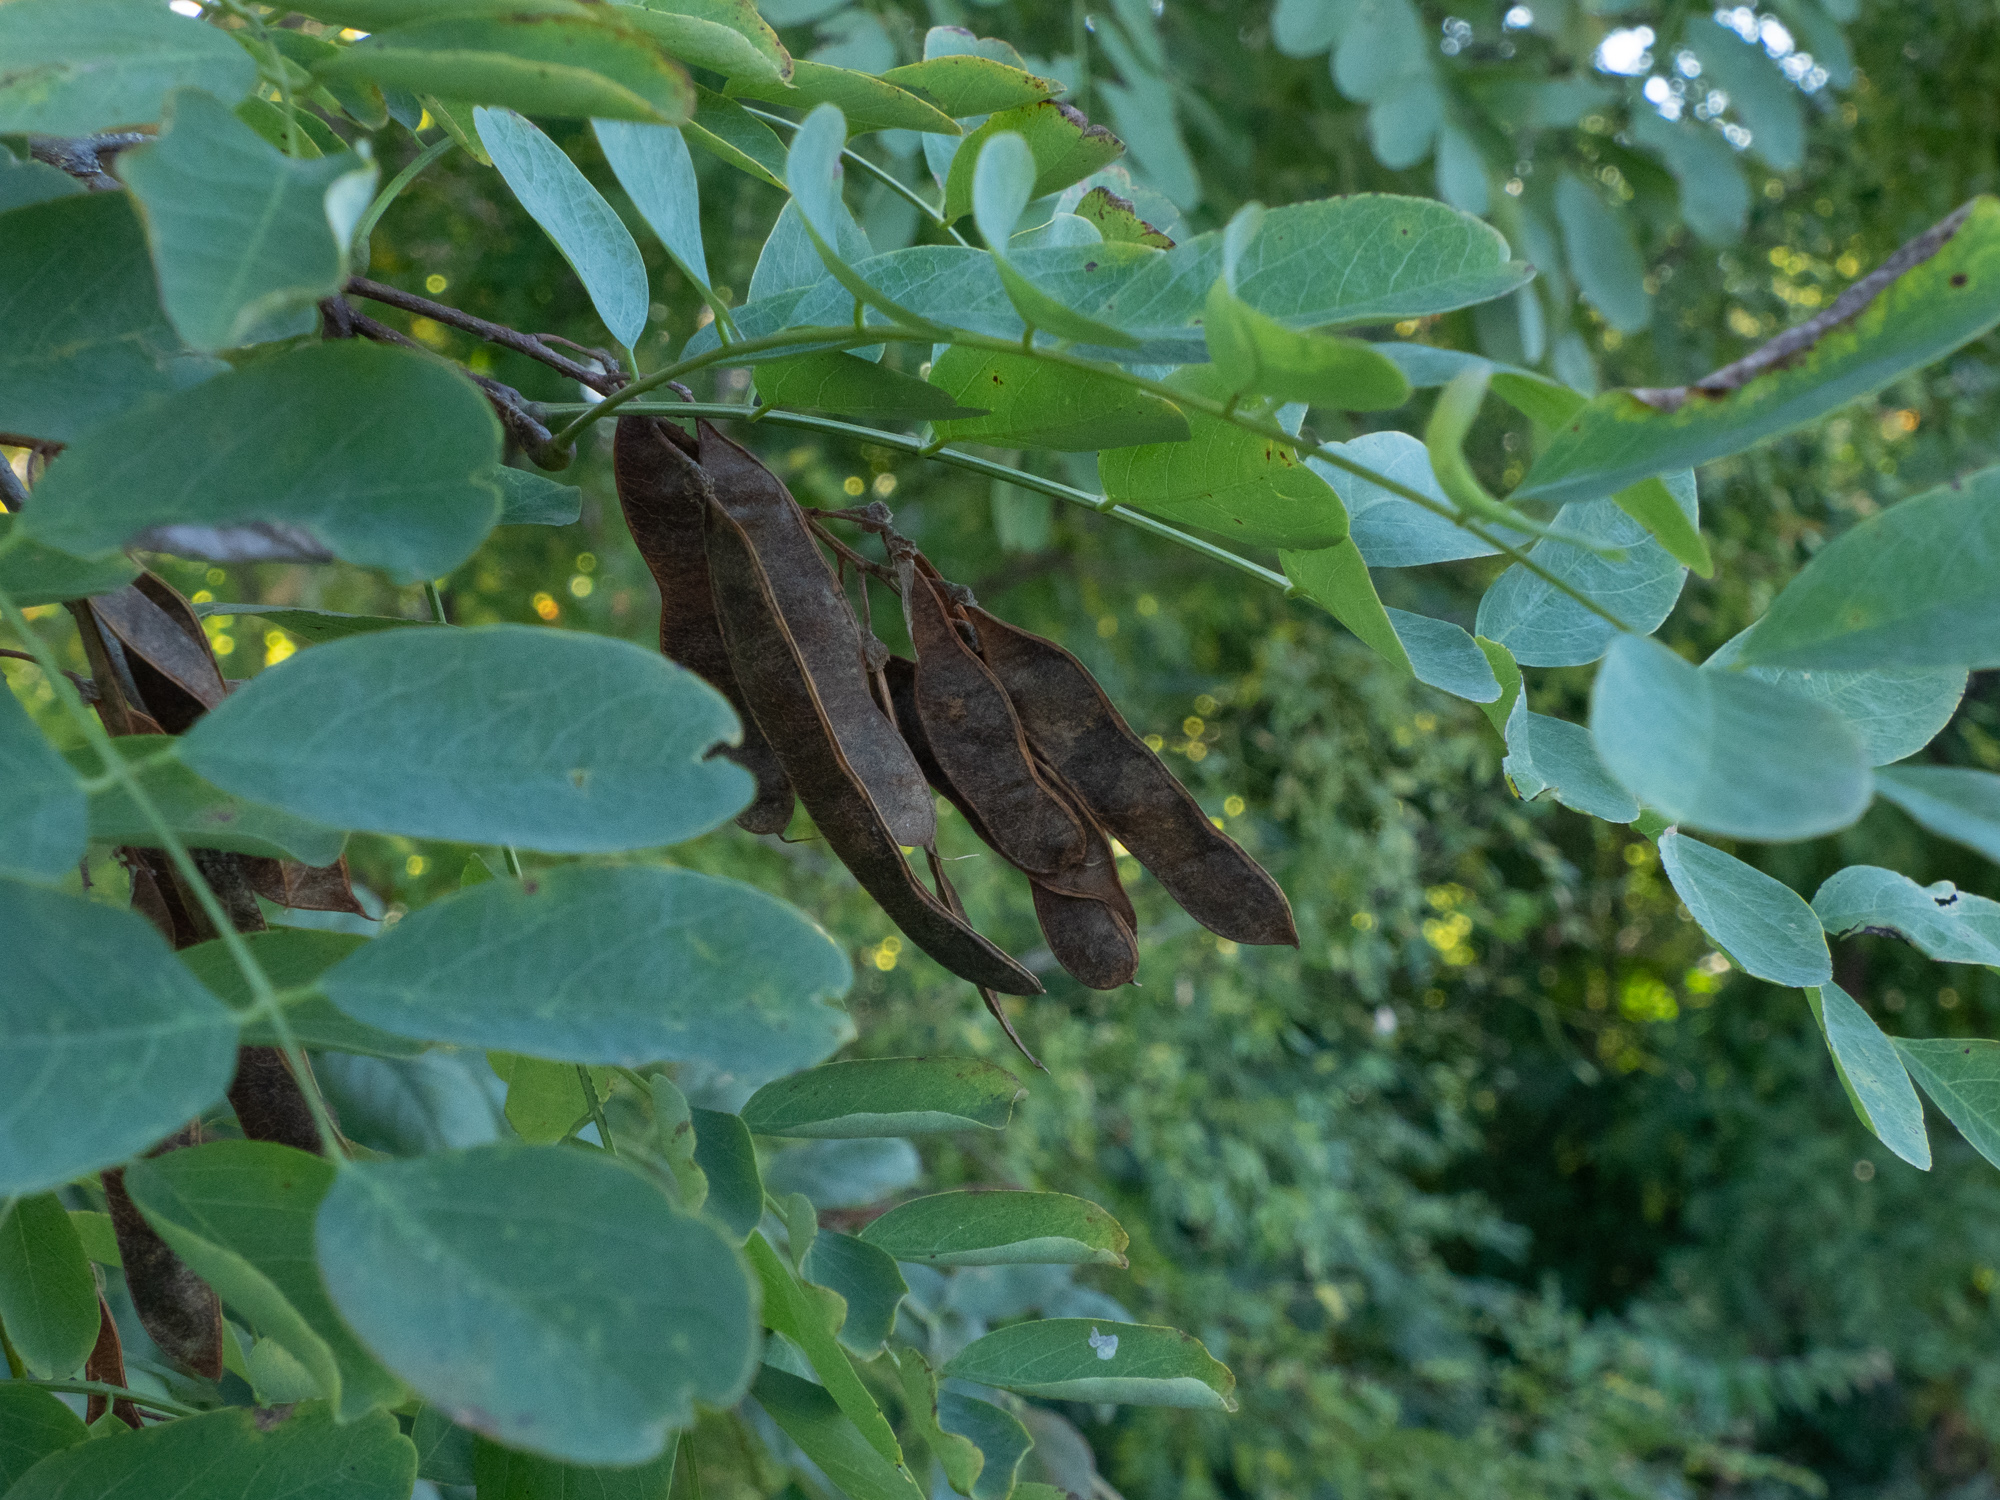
(1008, 726)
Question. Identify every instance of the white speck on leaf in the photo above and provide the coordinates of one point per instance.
(1106, 1344)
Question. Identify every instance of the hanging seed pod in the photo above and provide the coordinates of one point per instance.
(302, 887)
(771, 666)
(175, 1306)
(825, 636)
(269, 1104)
(976, 741)
(1083, 910)
(107, 1365)
(1126, 788)
(664, 495)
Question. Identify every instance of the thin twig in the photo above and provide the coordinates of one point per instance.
(86, 689)
(373, 214)
(881, 174)
(596, 1108)
(602, 381)
(86, 157)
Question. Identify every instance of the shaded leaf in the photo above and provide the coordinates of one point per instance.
(1762, 924)
(959, 1456)
(571, 66)
(48, 1298)
(810, 1318)
(1911, 586)
(33, 1424)
(1953, 802)
(653, 166)
(1943, 922)
(1544, 627)
(246, 239)
(33, 574)
(1075, 1359)
(349, 734)
(724, 36)
(73, 361)
(1936, 293)
(999, 1229)
(1895, 711)
(1603, 256)
(1553, 755)
(607, 965)
(1390, 530)
(312, 625)
(240, 1213)
(1873, 1076)
(965, 83)
(591, 236)
(728, 1159)
(1720, 752)
(866, 1279)
(1446, 657)
(44, 819)
(411, 501)
(1715, 200)
(294, 958)
(809, 1417)
(529, 499)
(441, 1263)
(235, 1454)
(1963, 1079)
(99, 1061)
(204, 816)
(1762, 97)
(725, 129)
(503, 1475)
(74, 67)
(885, 1096)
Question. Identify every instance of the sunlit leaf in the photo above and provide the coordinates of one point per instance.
(1337, 578)
(1066, 148)
(607, 965)
(560, 741)
(1035, 403)
(572, 66)
(1076, 1359)
(965, 83)
(441, 1265)
(866, 103)
(1722, 752)
(1938, 292)
(1762, 924)
(272, 441)
(886, 1096)
(724, 36)
(99, 1060)
(845, 385)
(999, 1229)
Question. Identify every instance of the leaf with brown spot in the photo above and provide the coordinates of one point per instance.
(781, 691)
(1127, 789)
(828, 641)
(664, 494)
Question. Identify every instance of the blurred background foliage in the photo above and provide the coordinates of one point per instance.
(1503, 1185)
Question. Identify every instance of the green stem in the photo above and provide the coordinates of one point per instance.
(877, 334)
(881, 174)
(951, 457)
(116, 1393)
(513, 858)
(274, 71)
(687, 1462)
(366, 226)
(264, 994)
(436, 601)
(596, 1108)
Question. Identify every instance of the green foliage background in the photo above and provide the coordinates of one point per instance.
(1497, 1187)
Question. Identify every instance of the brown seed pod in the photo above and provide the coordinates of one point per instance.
(1082, 909)
(269, 1104)
(781, 691)
(178, 1308)
(826, 637)
(664, 495)
(976, 741)
(302, 887)
(949, 895)
(107, 1364)
(1127, 789)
